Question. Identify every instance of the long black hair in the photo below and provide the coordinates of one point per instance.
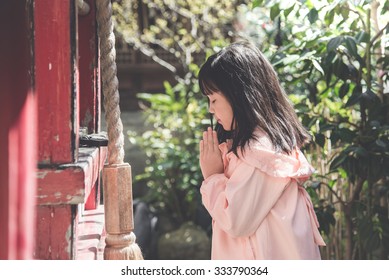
(247, 79)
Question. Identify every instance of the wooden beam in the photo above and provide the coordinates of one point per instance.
(71, 183)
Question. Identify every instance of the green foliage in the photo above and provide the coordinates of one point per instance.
(178, 35)
(332, 58)
(173, 175)
(184, 30)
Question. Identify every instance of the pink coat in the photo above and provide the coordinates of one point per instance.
(259, 208)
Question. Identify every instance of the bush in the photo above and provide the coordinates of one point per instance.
(178, 118)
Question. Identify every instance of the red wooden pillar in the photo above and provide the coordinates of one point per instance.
(58, 112)
(17, 131)
(56, 80)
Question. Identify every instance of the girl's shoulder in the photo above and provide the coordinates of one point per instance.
(260, 153)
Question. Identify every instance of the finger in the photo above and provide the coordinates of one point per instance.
(215, 141)
(201, 147)
(205, 141)
(210, 139)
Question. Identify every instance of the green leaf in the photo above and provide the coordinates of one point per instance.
(362, 36)
(256, 3)
(334, 43)
(320, 139)
(288, 10)
(326, 126)
(355, 96)
(168, 88)
(343, 90)
(317, 66)
(301, 108)
(346, 135)
(384, 60)
(330, 58)
(290, 59)
(351, 45)
(337, 162)
(345, 13)
(313, 15)
(274, 11)
(341, 70)
(315, 184)
(375, 124)
(329, 17)
(380, 143)
(361, 152)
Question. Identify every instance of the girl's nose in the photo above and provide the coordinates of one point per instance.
(210, 109)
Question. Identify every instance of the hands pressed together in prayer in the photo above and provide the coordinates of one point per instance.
(210, 156)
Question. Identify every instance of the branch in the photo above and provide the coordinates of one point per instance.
(379, 34)
(146, 50)
(359, 16)
(333, 122)
(162, 45)
(334, 193)
(357, 190)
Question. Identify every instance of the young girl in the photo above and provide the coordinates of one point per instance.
(252, 184)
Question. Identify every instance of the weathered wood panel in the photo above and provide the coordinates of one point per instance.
(71, 183)
(56, 80)
(56, 228)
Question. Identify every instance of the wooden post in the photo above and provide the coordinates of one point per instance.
(120, 240)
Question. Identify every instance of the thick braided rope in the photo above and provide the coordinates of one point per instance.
(110, 82)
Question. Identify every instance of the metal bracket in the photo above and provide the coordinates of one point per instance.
(94, 140)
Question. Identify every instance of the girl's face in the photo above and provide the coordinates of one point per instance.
(221, 109)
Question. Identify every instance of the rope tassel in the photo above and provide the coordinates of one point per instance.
(117, 183)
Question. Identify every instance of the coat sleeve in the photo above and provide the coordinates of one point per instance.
(240, 203)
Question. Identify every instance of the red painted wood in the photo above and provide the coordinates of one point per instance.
(93, 200)
(56, 228)
(89, 71)
(17, 133)
(91, 235)
(56, 80)
(71, 183)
